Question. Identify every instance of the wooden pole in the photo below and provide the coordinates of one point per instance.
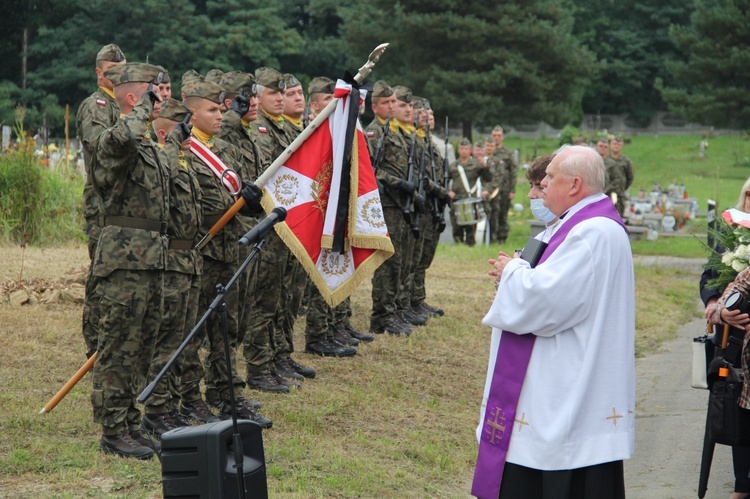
(69, 385)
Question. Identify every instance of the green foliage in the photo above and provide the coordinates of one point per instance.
(568, 133)
(36, 204)
(714, 77)
(631, 42)
(516, 61)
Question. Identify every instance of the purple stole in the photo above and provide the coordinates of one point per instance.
(510, 370)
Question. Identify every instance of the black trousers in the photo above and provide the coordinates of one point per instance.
(601, 481)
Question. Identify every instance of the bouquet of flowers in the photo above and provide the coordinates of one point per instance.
(732, 252)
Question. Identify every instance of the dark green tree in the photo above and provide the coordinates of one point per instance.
(631, 41)
(715, 75)
(512, 62)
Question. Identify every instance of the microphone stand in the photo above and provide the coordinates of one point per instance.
(218, 303)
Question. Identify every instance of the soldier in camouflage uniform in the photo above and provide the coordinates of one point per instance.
(133, 185)
(96, 113)
(273, 136)
(392, 170)
(183, 269)
(220, 255)
(429, 220)
(327, 328)
(476, 175)
(619, 172)
(507, 165)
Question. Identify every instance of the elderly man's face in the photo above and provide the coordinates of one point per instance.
(556, 188)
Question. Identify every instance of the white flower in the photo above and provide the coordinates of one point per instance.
(739, 266)
(741, 252)
(727, 258)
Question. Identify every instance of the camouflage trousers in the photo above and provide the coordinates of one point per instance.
(410, 258)
(493, 208)
(217, 371)
(266, 283)
(387, 277)
(181, 296)
(322, 319)
(131, 307)
(429, 246)
(90, 302)
(292, 292)
(503, 228)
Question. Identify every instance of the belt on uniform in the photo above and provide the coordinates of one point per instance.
(180, 244)
(137, 223)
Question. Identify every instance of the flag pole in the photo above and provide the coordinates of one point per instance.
(363, 72)
(69, 385)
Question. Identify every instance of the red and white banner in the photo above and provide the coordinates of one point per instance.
(736, 217)
(307, 185)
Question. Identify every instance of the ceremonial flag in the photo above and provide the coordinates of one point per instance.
(317, 187)
(736, 217)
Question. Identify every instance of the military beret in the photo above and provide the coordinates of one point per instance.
(615, 137)
(205, 89)
(165, 75)
(134, 72)
(111, 53)
(479, 143)
(270, 78)
(236, 80)
(381, 89)
(290, 81)
(214, 76)
(173, 110)
(498, 128)
(464, 142)
(189, 76)
(403, 93)
(321, 85)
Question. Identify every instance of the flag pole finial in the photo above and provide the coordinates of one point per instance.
(374, 57)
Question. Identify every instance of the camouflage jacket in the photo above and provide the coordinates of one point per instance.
(473, 171)
(216, 200)
(240, 136)
(499, 180)
(185, 211)
(505, 163)
(133, 185)
(394, 161)
(96, 113)
(271, 136)
(619, 174)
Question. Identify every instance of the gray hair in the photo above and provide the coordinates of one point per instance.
(583, 162)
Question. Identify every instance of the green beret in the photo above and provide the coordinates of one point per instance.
(173, 110)
(134, 72)
(381, 89)
(616, 138)
(236, 80)
(270, 78)
(214, 76)
(290, 81)
(498, 128)
(205, 89)
(189, 76)
(321, 85)
(419, 102)
(479, 143)
(111, 53)
(402, 93)
(464, 142)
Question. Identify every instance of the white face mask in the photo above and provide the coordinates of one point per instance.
(541, 212)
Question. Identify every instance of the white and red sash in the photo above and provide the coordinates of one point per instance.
(229, 178)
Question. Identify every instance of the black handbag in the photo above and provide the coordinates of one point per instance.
(730, 423)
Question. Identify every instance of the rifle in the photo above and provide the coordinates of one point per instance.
(436, 203)
(446, 180)
(379, 147)
(407, 202)
(306, 116)
(419, 205)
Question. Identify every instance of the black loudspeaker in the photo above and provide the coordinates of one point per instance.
(198, 461)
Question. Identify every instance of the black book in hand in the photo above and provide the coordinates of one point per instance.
(533, 251)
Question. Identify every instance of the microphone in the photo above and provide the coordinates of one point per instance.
(255, 234)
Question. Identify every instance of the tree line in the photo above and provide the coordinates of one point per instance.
(480, 63)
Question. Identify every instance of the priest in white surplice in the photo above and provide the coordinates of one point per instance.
(574, 420)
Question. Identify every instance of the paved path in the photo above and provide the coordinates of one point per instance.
(670, 420)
